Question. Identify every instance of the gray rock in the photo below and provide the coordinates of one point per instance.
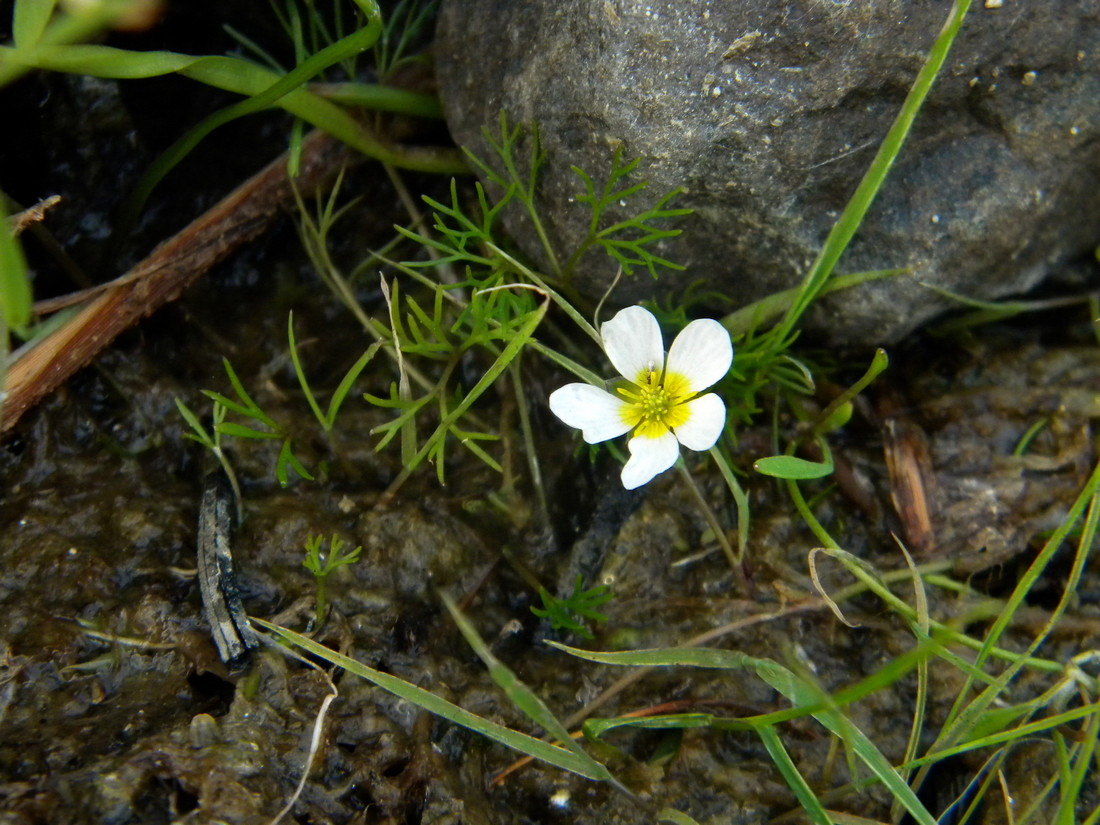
(767, 113)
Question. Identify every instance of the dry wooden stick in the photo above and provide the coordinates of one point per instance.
(173, 266)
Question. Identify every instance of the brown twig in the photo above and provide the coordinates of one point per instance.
(35, 214)
(173, 266)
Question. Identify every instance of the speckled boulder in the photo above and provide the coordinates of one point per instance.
(767, 113)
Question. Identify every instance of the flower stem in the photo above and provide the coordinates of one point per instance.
(715, 526)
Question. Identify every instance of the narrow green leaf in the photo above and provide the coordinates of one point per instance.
(595, 728)
(791, 467)
(799, 692)
(522, 696)
(238, 387)
(666, 657)
(303, 382)
(522, 742)
(346, 383)
(235, 75)
(467, 441)
(798, 785)
(380, 98)
(29, 20)
(200, 434)
(755, 315)
(15, 285)
(231, 405)
(241, 431)
(287, 460)
(675, 817)
(854, 211)
(1017, 734)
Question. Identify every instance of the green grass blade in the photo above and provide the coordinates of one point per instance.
(341, 392)
(855, 210)
(755, 315)
(379, 98)
(253, 409)
(200, 433)
(708, 657)
(309, 68)
(241, 431)
(61, 29)
(522, 696)
(961, 720)
(675, 817)
(1075, 787)
(29, 19)
(798, 785)
(234, 75)
(230, 404)
(740, 497)
(15, 285)
(799, 692)
(286, 462)
(303, 382)
(595, 728)
(1017, 734)
(529, 745)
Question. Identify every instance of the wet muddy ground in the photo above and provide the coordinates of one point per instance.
(115, 708)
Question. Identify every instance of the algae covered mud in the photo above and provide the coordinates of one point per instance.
(116, 707)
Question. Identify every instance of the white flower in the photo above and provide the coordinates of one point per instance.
(661, 404)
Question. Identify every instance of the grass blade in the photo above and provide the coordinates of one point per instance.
(303, 382)
(521, 695)
(855, 210)
(761, 312)
(799, 787)
(29, 19)
(799, 692)
(263, 87)
(567, 760)
(15, 287)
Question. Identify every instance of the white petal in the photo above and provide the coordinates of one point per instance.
(706, 418)
(595, 412)
(632, 340)
(702, 353)
(648, 457)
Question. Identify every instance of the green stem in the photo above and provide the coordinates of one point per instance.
(740, 499)
(715, 525)
(322, 599)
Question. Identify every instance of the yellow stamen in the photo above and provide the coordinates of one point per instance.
(655, 403)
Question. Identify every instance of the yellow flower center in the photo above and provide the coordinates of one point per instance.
(655, 403)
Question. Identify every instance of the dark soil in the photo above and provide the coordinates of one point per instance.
(114, 707)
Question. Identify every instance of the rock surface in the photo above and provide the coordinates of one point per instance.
(767, 113)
